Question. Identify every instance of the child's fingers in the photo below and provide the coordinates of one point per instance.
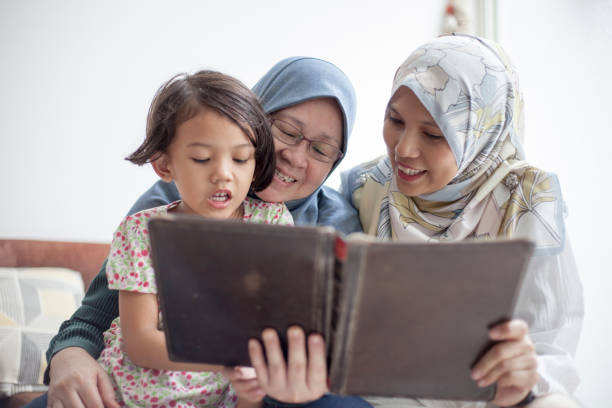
(297, 355)
(239, 373)
(317, 364)
(258, 362)
(248, 389)
(246, 373)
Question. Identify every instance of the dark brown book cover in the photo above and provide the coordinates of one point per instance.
(221, 282)
(401, 319)
(414, 317)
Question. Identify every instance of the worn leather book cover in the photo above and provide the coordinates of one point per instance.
(400, 319)
(413, 318)
(221, 282)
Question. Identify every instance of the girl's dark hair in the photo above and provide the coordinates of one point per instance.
(184, 96)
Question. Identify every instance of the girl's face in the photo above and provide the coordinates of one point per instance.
(421, 157)
(298, 174)
(212, 163)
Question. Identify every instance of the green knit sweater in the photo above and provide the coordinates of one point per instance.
(87, 325)
(100, 305)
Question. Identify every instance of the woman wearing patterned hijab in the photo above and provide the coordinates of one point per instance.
(455, 170)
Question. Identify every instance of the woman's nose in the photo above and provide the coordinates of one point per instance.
(296, 155)
(408, 145)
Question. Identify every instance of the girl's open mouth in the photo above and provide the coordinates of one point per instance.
(220, 199)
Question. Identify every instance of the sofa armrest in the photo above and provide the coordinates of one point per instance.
(83, 257)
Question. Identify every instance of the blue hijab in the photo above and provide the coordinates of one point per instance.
(299, 79)
(290, 82)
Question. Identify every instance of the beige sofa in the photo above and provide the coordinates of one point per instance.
(85, 258)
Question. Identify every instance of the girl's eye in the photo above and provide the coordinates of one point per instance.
(243, 159)
(200, 161)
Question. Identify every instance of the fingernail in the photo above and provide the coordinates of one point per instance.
(267, 335)
(482, 383)
(476, 374)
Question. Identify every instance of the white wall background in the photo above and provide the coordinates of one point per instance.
(76, 79)
(563, 49)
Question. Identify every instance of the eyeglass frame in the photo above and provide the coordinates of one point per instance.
(302, 137)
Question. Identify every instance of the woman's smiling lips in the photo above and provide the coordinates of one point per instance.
(283, 178)
(408, 173)
(220, 199)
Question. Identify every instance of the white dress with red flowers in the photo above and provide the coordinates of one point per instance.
(130, 268)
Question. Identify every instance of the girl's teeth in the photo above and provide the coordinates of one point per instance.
(220, 197)
(284, 178)
(410, 172)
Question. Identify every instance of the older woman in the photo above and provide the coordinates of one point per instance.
(312, 108)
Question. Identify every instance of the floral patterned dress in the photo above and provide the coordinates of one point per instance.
(130, 268)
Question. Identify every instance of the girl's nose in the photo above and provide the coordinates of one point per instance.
(221, 172)
(408, 145)
(296, 155)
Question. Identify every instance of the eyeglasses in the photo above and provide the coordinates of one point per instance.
(317, 149)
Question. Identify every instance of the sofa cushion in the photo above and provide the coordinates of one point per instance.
(33, 304)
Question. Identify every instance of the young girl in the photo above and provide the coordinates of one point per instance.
(208, 133)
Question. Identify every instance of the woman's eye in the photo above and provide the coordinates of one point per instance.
(432, 136)
(394, 120)
(200, 161)
(318, 150)
(241, 161)
(290, 135)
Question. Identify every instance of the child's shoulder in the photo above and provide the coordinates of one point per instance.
(263, 212)
(138, 222)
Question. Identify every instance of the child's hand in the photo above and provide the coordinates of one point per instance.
(244, 381)
(511, 363)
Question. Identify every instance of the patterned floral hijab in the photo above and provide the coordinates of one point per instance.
(471, 89)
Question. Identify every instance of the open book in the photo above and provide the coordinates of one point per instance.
(399, 319)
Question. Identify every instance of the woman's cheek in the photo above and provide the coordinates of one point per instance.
(391, 141)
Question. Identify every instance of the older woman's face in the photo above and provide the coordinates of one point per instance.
(421, 158)
(297, 173)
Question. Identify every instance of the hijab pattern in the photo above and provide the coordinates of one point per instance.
(470, 88)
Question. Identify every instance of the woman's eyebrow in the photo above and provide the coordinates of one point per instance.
(423, 122)
(300, 126)
(294, 121)
(430, 123)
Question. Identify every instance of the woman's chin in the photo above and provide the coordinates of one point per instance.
(279, 192)
(274, 193)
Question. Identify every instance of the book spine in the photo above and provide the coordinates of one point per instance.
(352, 272)
(323, 284)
